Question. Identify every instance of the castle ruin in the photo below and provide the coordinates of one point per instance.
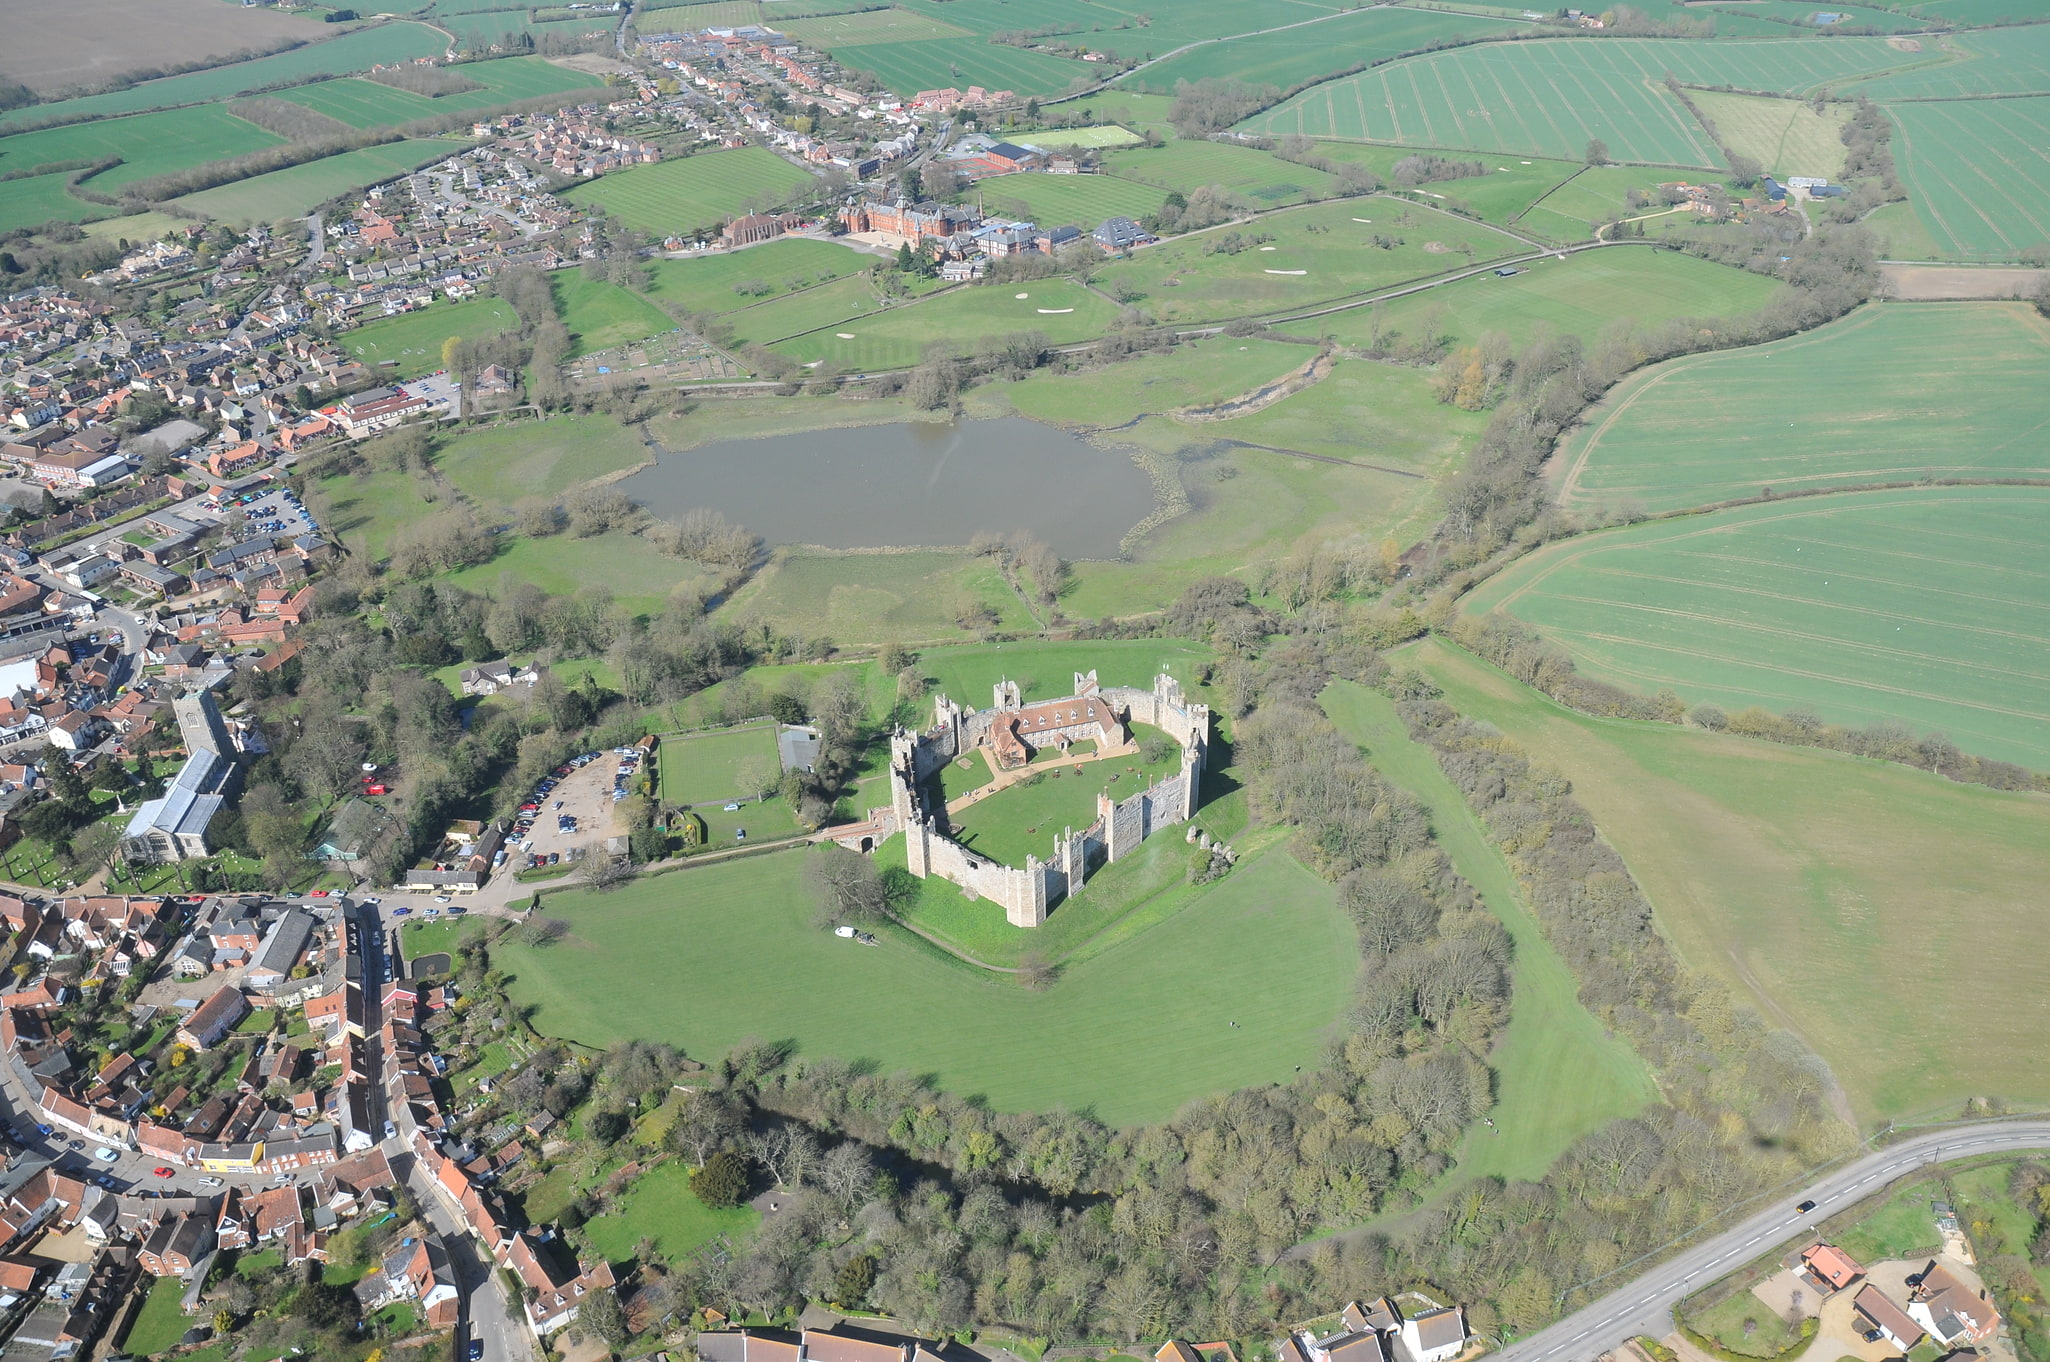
(1014, 732)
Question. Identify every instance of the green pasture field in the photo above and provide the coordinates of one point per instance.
(485, 28)
(506, 80)
(868, 598)
(1259, 176)
(357, 51)
(870, 26)
(366, 509)
(2008, 61)
(695, 192)
(497, 466)
(296, 190)
(940, 63)
(1024, 819)
(707, 768)
(1902, 233)
(1252, 506)
(709, 283)
(1315, 255)
(39, 199)
(600, 314)
(1290, 56)
(1083, 200)
(1558, 1073)
(1195, 373)
(151, 144)
(659, 1206)
(1128, 108)
(1598, 193)
(1364, 412)
(149, 226)
(1099, 139)
(626, 566)
(1063, 310)
(1824, 889)
(1548, 98)
(1978, 172)
(414, 339)
(1129, 28)
(1785, 136)
(1850, 403)
(1923, 605)
(1579, 296)
(1501, 194)
(705, 957)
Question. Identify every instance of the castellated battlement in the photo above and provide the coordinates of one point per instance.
(1014, 732)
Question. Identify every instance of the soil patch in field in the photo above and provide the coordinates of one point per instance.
(1945, 283)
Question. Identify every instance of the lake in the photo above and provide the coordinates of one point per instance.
(916, 484)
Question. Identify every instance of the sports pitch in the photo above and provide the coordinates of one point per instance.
(1930, 606)
(1314, 255)
(706, 957)
(1978, 172)
(703, 768)
(1261, 177)
(695, 192)
(1081, 200)
(1853, 403)
(1828, 890)
(1064, 311)
(1550, 97)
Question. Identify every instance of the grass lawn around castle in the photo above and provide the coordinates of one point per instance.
(712, 767)
(702, 958)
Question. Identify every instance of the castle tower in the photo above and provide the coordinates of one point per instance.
(1007, 695)
(1085, 682)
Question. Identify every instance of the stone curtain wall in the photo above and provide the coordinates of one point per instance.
(1027, 894)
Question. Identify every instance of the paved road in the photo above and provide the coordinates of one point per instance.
(1645, 1306)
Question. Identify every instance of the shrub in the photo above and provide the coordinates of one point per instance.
(722, 1182)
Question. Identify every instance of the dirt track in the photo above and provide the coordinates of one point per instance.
(1936, 283)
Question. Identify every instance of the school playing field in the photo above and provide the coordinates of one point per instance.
(695, 192)
(1827, 890)
(1080, 200)
(1549, 98)
(1311, 255)
(1927, 606)
(706, 957)
(414, 339)
(1062, 310)
(1849, 404)
(718, 766)
(727, 280)
(1978, 172)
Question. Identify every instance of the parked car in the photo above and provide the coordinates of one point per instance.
(209, 1182)
(390, 1130)
(161, 1172)
(106, 1153)
(400, 912)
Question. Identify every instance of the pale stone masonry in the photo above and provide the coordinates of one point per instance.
(1014, 732)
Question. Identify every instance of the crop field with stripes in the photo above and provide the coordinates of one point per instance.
(1929, 606)
(1853, 403)
(1978, 172)
(1549, 98)
(1290, 56)
(367, 104)
(2012, 61)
